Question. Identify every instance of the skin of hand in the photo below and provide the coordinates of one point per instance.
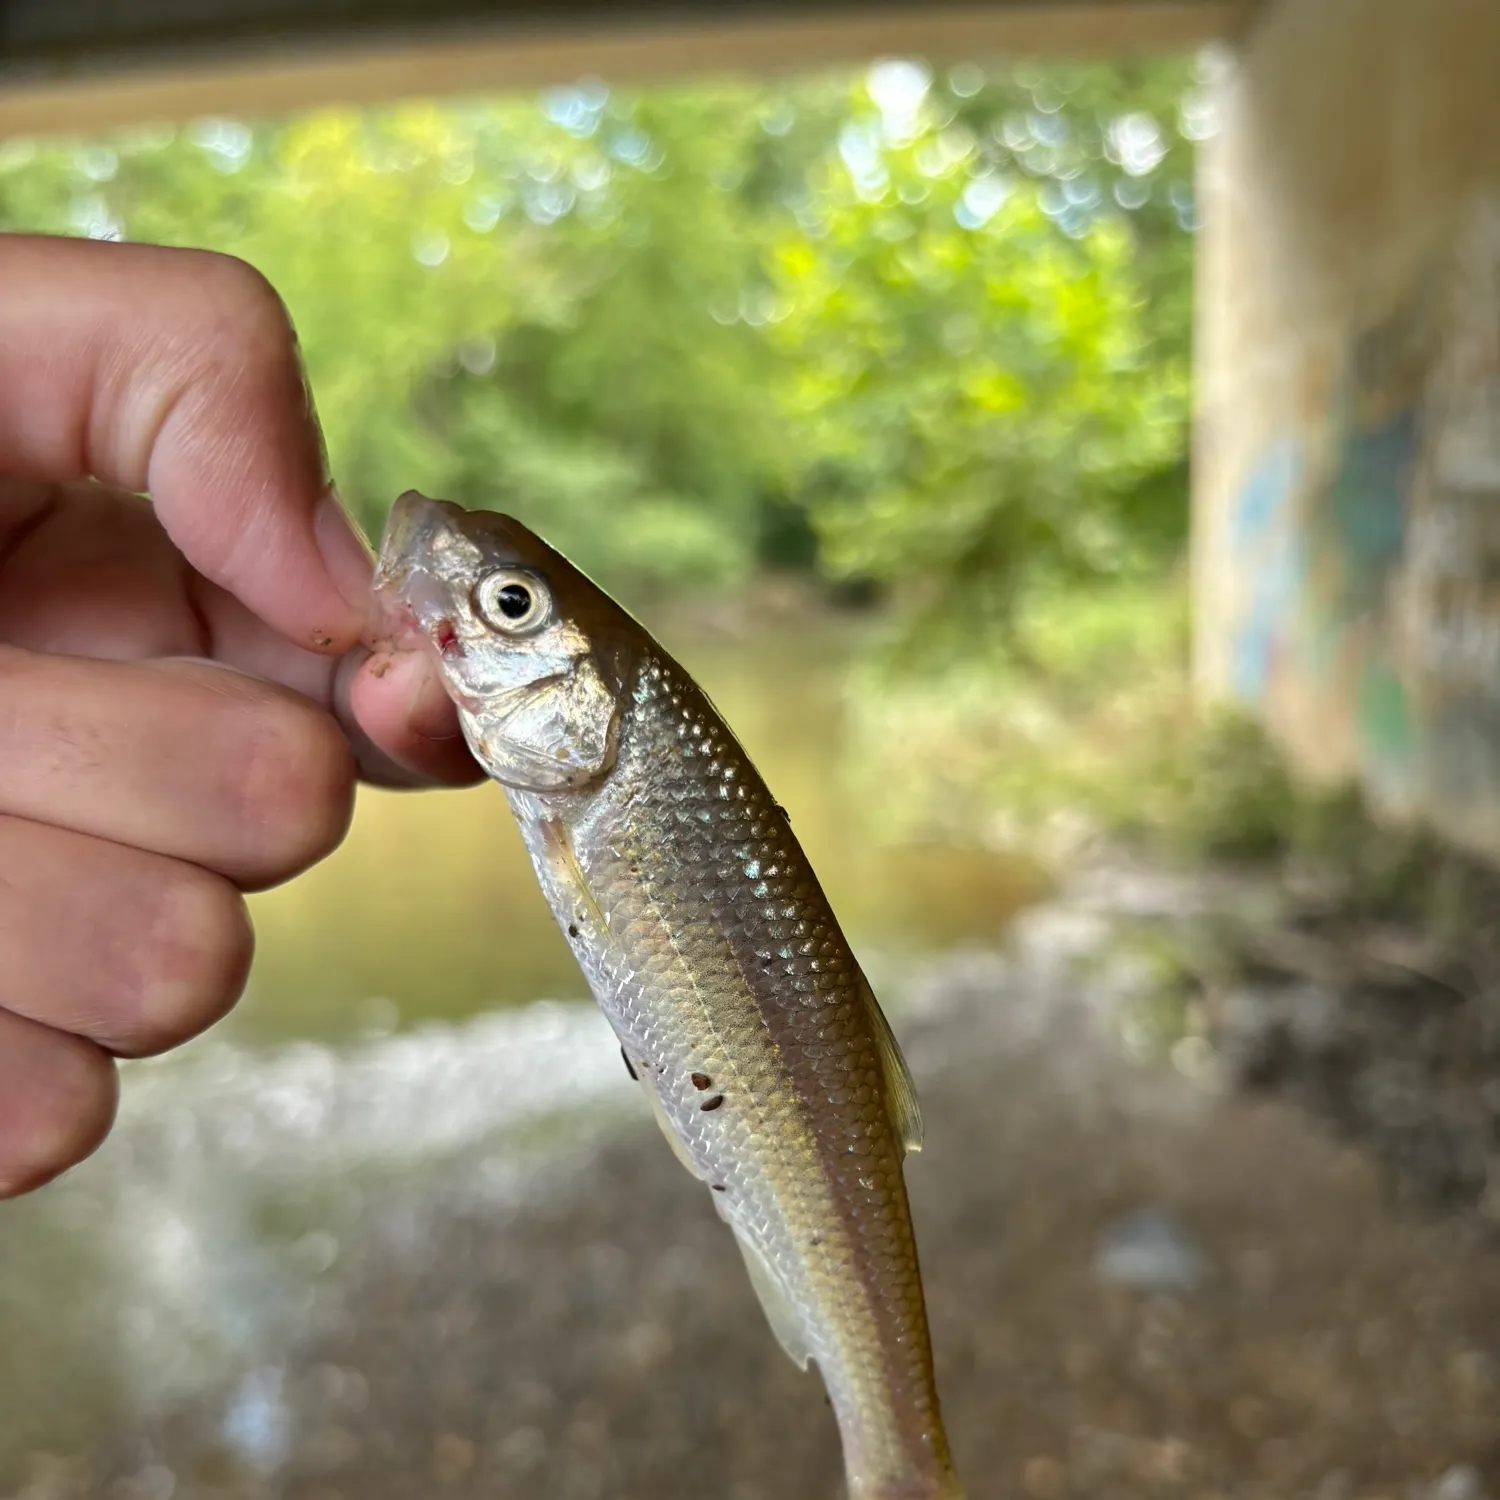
(185, 704)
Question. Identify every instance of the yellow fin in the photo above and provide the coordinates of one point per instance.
(570, 873)
(784, 1319)
(901, 1092)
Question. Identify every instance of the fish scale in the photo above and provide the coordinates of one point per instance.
(711, 948)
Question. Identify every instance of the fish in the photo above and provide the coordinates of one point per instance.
(711, 948)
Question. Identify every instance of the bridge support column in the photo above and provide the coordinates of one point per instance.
(1347, 491)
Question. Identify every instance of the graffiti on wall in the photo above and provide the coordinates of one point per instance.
(1369, 544)
(1268, 547)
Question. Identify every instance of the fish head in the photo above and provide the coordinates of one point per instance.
(534, 654)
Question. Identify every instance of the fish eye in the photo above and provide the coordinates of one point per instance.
(513, 601)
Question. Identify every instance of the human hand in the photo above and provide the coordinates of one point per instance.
(184, 705)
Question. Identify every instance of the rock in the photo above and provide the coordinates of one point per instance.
(1461, 1482)
(257, 1425)
(1151, 1252)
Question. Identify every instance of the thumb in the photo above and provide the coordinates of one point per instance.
(177, 372)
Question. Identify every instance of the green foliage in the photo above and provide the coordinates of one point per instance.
(1093, 734)
(974, 347)
(987, 395)
(894, 327)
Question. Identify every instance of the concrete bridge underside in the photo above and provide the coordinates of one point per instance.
(79, 65)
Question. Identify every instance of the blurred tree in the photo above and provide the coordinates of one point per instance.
(893, 326)
(970, 327)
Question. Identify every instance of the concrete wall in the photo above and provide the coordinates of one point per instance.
(1347, 506)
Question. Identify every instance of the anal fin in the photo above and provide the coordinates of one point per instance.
(786, 1323)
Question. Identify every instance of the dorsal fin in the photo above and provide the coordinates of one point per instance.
(900, 1091)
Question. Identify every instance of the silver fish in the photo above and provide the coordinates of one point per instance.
(710, 946)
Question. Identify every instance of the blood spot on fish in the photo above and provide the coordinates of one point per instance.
(713, 1103)
(702, 1081)
(628, 1068)
(573, 929)
(445, 637)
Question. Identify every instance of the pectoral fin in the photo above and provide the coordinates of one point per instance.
(568, 874)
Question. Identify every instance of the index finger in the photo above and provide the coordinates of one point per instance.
(177, 372)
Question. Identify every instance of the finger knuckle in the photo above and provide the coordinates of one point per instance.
(242, 302)
(298, 787)
(64, 1117)
(192, 964)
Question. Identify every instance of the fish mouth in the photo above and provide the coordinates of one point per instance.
(410, 526)
(410, 601)
(406, 601)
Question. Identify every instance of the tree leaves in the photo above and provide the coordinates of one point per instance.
(945, 320)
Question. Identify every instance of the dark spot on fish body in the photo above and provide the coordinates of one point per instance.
(713, 1103)
(719, 1187)
(702, 1081)
(572, 929)
(628, 1068)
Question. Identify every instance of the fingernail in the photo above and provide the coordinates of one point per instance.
(430, 713)
(346, 554)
